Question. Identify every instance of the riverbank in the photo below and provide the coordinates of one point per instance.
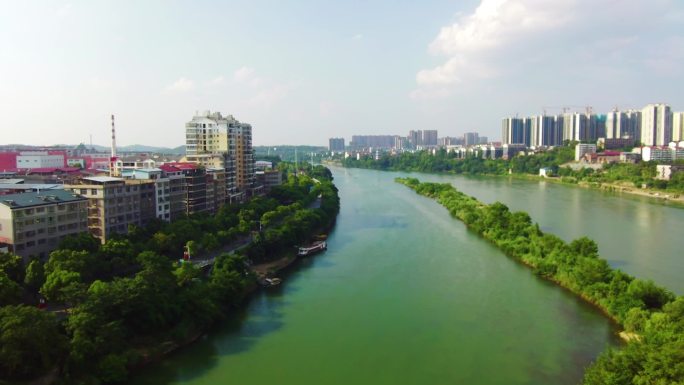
(622, 188)
(151, 355)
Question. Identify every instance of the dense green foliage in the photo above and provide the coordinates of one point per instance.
(126, 297)
(653, 313)
(443, 161)
(638, 175)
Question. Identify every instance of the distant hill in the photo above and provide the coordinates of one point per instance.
(287, 152)
(180, 150)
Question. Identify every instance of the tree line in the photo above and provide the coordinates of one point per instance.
(653, 315)
(125, 297)
(638, 174)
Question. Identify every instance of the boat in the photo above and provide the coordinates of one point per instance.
(314, 248)
(271, 281)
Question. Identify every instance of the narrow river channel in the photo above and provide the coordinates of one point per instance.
(404, 295)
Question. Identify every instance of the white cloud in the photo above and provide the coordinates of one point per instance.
(268, 96)
(358, 36)
(64, 11)
(326, 109)
(99, 83)
(217, 81)
(181, 85)
(506, 36)
(247, 75)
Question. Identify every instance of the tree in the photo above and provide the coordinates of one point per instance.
(30, 342)
(186, 273)
(10, 291)
(653, 297)
(63, 286)
(584, 247)
(80, 242)
(35, 275)
(81, 262)
(13, 266)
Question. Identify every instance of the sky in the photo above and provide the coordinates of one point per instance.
(304, 71)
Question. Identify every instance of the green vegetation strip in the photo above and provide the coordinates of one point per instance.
(637, 175)
(653, 316)
(129, 301)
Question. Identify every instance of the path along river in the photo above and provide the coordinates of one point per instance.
(406, 295)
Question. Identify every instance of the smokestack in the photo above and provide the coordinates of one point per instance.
(112, 161)
(113, 139)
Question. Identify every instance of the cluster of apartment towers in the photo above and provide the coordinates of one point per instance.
(415, 140)
(654, 125)
(219, 168)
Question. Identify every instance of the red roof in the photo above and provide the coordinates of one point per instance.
(610, 153)
(177, 166)
(8, 161)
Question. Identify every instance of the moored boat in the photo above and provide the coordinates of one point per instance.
(314, 248)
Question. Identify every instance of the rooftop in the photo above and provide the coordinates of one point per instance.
(103, 179)
(31, 186)
(30, 199)
(11, 181)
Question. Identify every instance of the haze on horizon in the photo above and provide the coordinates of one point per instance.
(303, 71)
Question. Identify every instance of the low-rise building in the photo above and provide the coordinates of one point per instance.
(33, 223)
(629, 157)
(269, 179)
(615, 143)
(666, 171)
(657, 153)
(583, 148)
(115, 203)
(511, 150)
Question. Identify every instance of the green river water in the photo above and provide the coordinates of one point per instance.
(406, 295)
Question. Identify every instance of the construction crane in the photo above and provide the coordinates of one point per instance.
(567, 108)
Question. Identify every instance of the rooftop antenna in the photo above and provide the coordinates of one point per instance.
(112, 160)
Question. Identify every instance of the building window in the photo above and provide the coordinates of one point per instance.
(93, 191)
(84, 191)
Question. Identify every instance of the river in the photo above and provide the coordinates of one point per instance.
(405, 294)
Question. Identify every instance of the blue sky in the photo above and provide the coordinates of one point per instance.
(303, 71)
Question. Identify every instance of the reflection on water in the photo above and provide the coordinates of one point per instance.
(403, 295)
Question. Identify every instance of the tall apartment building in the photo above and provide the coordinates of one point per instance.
(336, 145)
(33, 223)
(623, 125)
(372, 141)
(217, 141)
(471, 138)
(588, 127)
(429, 137)
(512, 131)
(244, 159)
(546, 131)
(678, 126)
(656, 125)
(115, 203)
(415, 138)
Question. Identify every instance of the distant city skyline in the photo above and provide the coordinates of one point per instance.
(303, 72)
